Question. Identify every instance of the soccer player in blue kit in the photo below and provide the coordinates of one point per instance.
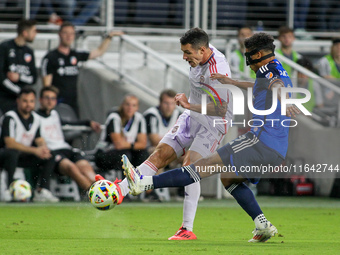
(262, 145)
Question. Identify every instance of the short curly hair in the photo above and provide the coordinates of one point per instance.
(261, 40)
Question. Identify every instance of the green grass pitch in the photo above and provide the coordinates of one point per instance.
(306, 226)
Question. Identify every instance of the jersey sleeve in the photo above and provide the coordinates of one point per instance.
(219, 92)
(113, 126)
(142, 126)
(151, 124)
(6, 83)
(267, 75)
(82, 55)
(47, 66)
(8, 127)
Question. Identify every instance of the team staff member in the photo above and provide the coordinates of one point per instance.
(287, 38)
(70, 161)
(20, 134)
(17, 64)
(60, 66)
(124, 133)
(159, 119)
(237, 59)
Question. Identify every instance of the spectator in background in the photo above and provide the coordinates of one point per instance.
(17, 64)
(54, 18)
(312, 85)
(20, 134)
(237, 58)
(124, 133)
(60, 66)
(329, 67)
(69, 161)
(286, 38)
(159, 119)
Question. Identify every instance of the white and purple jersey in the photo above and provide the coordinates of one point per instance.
(200, 83)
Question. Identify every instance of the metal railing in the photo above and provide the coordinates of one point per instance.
(170, 16)
(134, 55)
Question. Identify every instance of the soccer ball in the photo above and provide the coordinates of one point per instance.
(103, 195)
(20, 191)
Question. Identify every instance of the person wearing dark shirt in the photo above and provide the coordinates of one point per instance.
(20, 136)
(60, 66)
(124, 133)
(69, 161)
(17, 64)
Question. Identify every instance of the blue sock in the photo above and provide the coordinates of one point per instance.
(178, 177)
(246, 199)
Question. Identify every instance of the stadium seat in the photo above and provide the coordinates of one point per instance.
(65, 187)
(68, 114)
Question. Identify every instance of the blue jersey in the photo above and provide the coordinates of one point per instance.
(273, 134)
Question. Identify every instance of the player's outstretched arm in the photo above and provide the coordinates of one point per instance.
(291, 110)
(226, 80)
(212, 109)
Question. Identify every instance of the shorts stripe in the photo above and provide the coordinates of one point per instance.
(192, 173)
(246, 145)
(236, 146)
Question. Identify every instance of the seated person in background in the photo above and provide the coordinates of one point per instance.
(69, 161)
(329, 67)
(124, 133)
(159, 119)
(237, 58)
(20, 130)
(312, 85)
(286, 38)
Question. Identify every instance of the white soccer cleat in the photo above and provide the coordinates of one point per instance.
(133, 176)
(262, 235)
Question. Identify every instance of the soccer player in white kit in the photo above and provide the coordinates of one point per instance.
(194, 134)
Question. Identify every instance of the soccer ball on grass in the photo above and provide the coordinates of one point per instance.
(20, 191)
(103, 195)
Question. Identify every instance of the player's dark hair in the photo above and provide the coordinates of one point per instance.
(49, 88)
(197, 37)
(167, 92)
(244, 27)
(65, 24)
(26, 90)
(285, 30)
(335, 40)
(261, 41)
(25, 24)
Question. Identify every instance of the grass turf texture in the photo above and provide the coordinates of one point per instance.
(306, 226)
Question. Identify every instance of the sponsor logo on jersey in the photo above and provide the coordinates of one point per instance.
(269, 75)
(11, 53)
(202, 79)
(61, 61)
(28, 57)
(73, 60)
(174, 129)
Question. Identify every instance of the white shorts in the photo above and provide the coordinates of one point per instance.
(187, 133)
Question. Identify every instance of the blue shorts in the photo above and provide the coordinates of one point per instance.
(247, 151)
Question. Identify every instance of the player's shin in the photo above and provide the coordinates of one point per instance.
(177, 177)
